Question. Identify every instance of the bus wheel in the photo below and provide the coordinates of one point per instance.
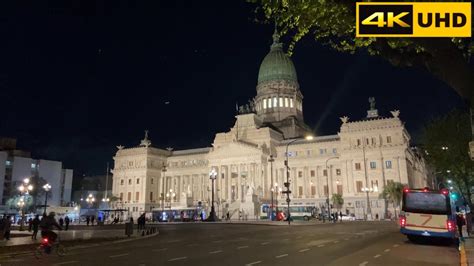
(306, 218)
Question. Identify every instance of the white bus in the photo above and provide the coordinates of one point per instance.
(297, 212)
(178, 214)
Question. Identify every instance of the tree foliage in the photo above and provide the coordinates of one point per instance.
(446, 140)
(392, 193)
(332, 22)
(337, 200)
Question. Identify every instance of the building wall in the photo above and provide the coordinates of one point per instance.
(21, 169)
(3, 160)
(67, 185)
(51, 171)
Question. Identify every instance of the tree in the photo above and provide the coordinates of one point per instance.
(392, 193)
(445, 140)
(12, 203)
(337, 200)
(332, 22)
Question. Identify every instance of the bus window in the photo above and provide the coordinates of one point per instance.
(422, 202)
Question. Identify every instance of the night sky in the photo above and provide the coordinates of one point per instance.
(78, 78)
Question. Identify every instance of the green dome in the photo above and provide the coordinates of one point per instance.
(276, 65)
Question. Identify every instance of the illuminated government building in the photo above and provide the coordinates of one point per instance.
(358, 160)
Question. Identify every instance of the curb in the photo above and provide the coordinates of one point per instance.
(462, 254)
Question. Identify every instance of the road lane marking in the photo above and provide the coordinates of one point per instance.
(241, 247)
(304, 250)
(335, 242)
(320, 246)
(215, 251)
(160, 249)
(264, 243)
(346, 239)
(363, 263)
(66, 262)
(387, 250)
(396, 245)
(180, 258)
(285, 239)
(376, 256)
(281, 256)
(253, 263)
(119, 255)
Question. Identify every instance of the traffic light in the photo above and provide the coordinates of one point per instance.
(454, 196)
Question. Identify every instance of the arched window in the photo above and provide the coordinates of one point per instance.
(286, 101)
(269, 102)
(281, 101)
(264, 103)
(275, 102)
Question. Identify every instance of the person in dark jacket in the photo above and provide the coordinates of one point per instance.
(67, 221)
(35, 225)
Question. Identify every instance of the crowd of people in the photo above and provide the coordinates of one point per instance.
(46, 224)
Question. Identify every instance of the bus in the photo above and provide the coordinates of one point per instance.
(427, 214)
(297, 212)
(178, 214)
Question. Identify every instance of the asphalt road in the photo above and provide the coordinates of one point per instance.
(351, 243)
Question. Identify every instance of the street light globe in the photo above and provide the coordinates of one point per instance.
(21, 188)
(309, 137)
(30, 187)
(26, 180)
(47, 187)
(449, 181)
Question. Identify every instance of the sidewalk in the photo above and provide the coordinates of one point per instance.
(97, 232)
(466, 249)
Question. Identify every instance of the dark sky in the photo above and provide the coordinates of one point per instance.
(78, 78)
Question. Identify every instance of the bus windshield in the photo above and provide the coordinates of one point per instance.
(426, 202)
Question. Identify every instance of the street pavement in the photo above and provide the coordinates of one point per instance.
(350, 243)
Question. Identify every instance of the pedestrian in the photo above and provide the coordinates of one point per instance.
(202, 216)
(468, 221)
(67, 221)
(29, 224)
(61, 221)
(2, 227)
(228, 216)
(35, 224)
(92, 220)
(88, 220)
(7, 228)
(459, 221)
(340, 215)
(376, 216)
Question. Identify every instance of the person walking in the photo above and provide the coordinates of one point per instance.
(29, 224)
(340, 216)
(67, 221)
(92, 220)
(7, 228)
(228, 216)
(61, 221)
(88, 220)
(34, 225)
(2, 227)
(459, 221)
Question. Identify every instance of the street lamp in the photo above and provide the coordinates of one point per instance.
(170, 195)
(163, 173)
(327, 181)
(368, 190)
(271, 160)
(24, 189)
(287, 183)
(90, 199)
(47, 188)
(212, 216)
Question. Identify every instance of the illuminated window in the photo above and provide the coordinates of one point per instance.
(269, 102)
(275, 102)
(264, 103)
(291, 103)
(281, 102)
(286, 102)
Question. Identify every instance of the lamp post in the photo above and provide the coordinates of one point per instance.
(212, 216)
(163, 173)
(271, 160)
(368, 190)
(90, 200)
(369, 210)
(287, 183)
(327, 181)
(47, 188)
(24, 189)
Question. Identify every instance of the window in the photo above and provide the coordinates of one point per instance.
(264, 103)
(269, 102)
(326, 190)
(373, 165)
(275, 102)
(121, 196)
(388, 164)
(334, 150)
(300, 191)
(389, 139)
(322, 151)
(373, 141)
(130, 181)
(121, 181)
(33, 166)
(359, 186)
(358, 142)
(325, 172)
(130, 163)
(151, 181)
(312, 173)
(313, 190)
(367, 141)
(286, 102)
(339, 189)
(291, 103)
(138, 181)
(375, 184)
(151, 195)
(357, 166)
(338, 171)
(300, 173)
(281, 101)
(137, 196)
(8, 162)
(308, 152)
(129, 196)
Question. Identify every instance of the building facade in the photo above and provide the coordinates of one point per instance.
(16, 165)
(356, 162)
